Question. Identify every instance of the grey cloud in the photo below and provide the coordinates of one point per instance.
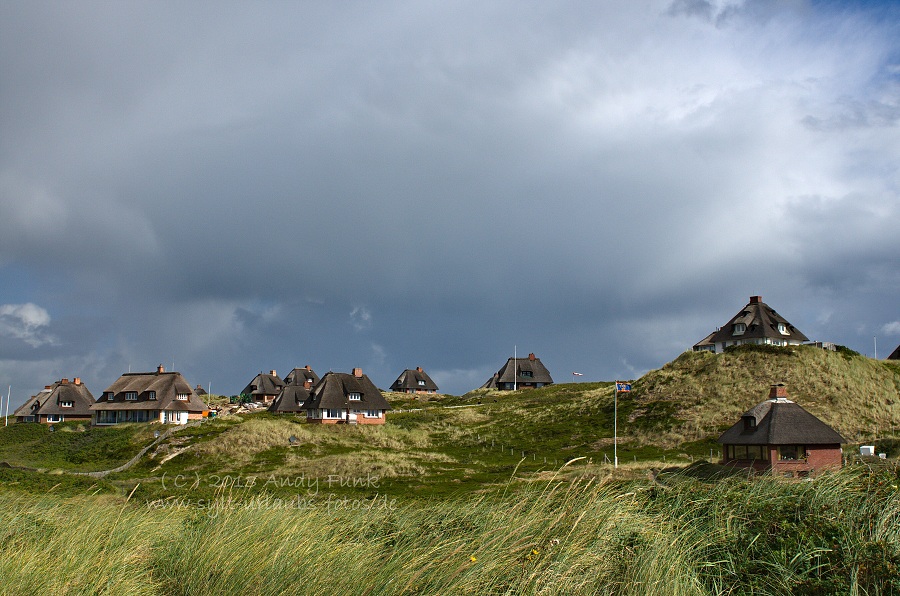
(598, 184)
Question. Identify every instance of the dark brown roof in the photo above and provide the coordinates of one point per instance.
(416, 379)
(760, 321)
(490, 383)
(298, 376)
(517, 369)
(264, 384)
(333, 390)
(291, 399)
(780, 421)
(165, 386)
(49, 400)
(895, 355)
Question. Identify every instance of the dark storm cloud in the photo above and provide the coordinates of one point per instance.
(245, 187)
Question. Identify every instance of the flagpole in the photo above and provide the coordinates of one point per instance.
(616, 426)
(515, 367)
(6, 418)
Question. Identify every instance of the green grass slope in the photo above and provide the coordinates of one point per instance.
(700, 394)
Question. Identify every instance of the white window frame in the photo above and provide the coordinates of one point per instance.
(182, 397)
(373, 414)
(67, 404)
(54, 418)
(354, 396)
(739, 329)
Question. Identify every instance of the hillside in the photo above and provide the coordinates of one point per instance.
(699, 394)
(444, 445)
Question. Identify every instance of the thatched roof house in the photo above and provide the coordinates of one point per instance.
(414, 381)
(520, 373)
(149, 397)
(58, 402)
(756, 323)
(781, 436)
(263, 388)
(295, 392)
(350, 398)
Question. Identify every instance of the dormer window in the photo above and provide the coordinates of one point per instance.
(151, 395)
(749, 422)
(354, 396)
(421, 383)
(131, 396)
(67, 404)
(526, 373)
(109, 395)
(182, 396)
(739, 329)
(782, 329)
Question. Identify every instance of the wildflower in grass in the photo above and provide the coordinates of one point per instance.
(473, 558)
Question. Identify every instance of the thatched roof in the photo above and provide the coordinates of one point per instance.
(759, 321)
(299, 376)
(161, 385)
(895, 355)
(333, 391)
(49, 400)
(780, 421)
(290, 400)
(521, 371)
(264, 384)
(416, 379)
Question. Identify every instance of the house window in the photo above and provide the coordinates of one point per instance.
(748, 452)
(67, 404)
(791, 452)
(782, 329)
(333, 413)
(749, 422)
(151, 395)
(526, 373)
(739, 329)
(54, 418)
(109, 395)
(131, 396)
(182, 396)
(354, 396)
(421, 383)
(373, 413)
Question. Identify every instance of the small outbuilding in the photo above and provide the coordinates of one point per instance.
(781, 436)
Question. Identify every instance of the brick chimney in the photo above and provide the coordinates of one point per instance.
(778, 390)
(531, 356)
(357, 372)
(755, 299)
(160, 369)
(307, 367)
(64, 382)
(419, 369)
(307, 383)
(77, 381)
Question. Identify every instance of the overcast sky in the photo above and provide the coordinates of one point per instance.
(239, 187)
